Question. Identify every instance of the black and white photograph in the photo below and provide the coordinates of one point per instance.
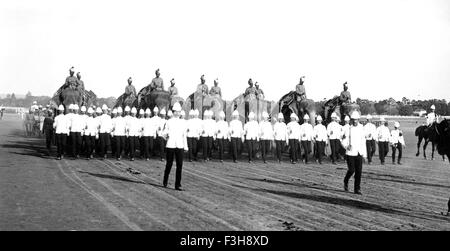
(201, 116)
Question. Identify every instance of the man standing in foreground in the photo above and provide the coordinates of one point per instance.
(354, 143)
(175, 134)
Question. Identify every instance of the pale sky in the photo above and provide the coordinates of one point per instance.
(383, 49)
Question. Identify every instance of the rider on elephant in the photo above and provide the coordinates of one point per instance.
(250, 90)
(80, 83)
(215, 90)
(130, 91)
(71, 80)
(300, 90)
(202, 87)
(157, 83)
(259, 92)
(345, 97)
(173, 91)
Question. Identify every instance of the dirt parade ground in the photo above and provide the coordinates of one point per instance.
(38, 192)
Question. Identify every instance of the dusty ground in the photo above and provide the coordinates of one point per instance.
(41, 193)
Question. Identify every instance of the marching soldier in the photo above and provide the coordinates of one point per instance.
(157, 82)
(383, 136)
(119, 130)
(222, 134)
(90, 133)
(265, 134)
(169, 114)
(175, 132)
(130, 90)
(194, 129)
(250, 89)
(105, 127)
(281, 137)
(236, 132)
(132, 128)
(397, 142)
(306, 136)
(293, 130)
(61, 126)
(259, 92)
(215, 90)
(127, 117)
(251, 132)
(161, 139)
(320, 138)
(300, 89)
(140, 137)
(111, 136)
(208, 131)
(202, 87)
(173, 91)
(48, 130)
(148, 134)
(334, 130)
(77, 124)
(370, 132)
(354, 143)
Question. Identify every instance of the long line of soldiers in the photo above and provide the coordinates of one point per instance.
(82, 131)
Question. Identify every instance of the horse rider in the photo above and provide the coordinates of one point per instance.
(259, 92)
(130, 91)
(300, 89)
(431, 117)
(370, 132)
(157, 82)
(173, 91)
(202, 87)
(215, 90)
(251, 90)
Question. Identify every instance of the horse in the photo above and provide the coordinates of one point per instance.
(428, 134)
(443, 138)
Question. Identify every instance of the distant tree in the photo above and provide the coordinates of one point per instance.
(381, 107)
(405, 110)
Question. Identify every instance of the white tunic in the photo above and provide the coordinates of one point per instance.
(265, 130)
(320, 133)
(334, 130)
(119, 126)
(293, 130)
(383, 134)
(77, 123)
(149, 127)
(208, 128)
(306, 132)
(91, 127)
(194, 127)
(355, 141)
(175, 132)
(370, 131)
(133, 126)
(396, 138)
(280, 131)
(105, 124)
(61, 124)
(236, 130)
(251, 130)
(222, 129)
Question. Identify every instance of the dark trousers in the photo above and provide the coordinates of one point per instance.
(162, 146)
(354, 164)
(320, 150)
(48, 139)
(251, 148)
(192, 145)
(371, 148)
(235, 147)
(104, 143)
(147, 146)
(76, 143)
(265, 146)
(279, 148)
(293, 150)
(132, 144)
(178, 155)
(207, 147)
(394, 148)
(61, 140)
(89, 144)
(113, 145)
(306, 145)
(221, 144)
(383, 149)
(120, 145)
(334, 145)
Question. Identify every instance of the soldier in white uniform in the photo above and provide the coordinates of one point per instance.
(397, 143)
(148, 134)
(207, 136)
(370, 131)
(160, 129)
(265, 135)
(306, 136)
(90, 133)
(61, 126)
(175, 132)
(354, 143)
(119, 130)
(222, 134)
(105, 127)
(320, 139)
(236, 131)
(140, 137)
(133, 131)
(193, 134)
(334, 130)
(280, 135)
(293, 130)
(383, 136)
(251, 132)
(77, 123)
